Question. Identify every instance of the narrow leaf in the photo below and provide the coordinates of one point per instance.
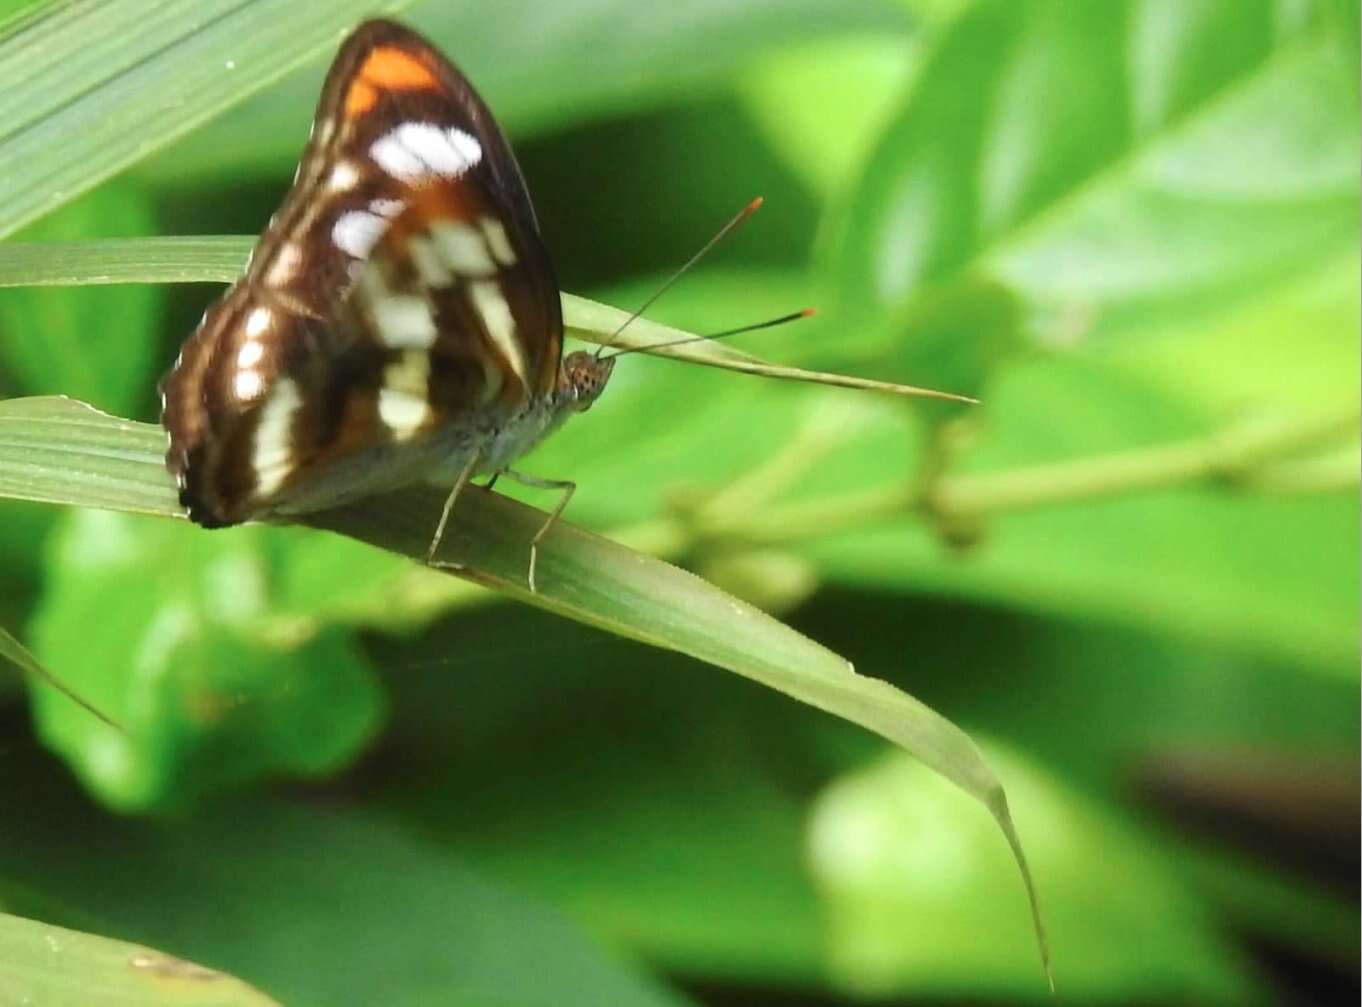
(219, 259)
(66, 452)
(57, 450)
(594, 581)
(15, 651)
(88, 88)
(52, 966)
(318, 904)
(99, 343)
(210, 259)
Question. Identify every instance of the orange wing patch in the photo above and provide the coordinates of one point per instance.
(387, 68)
(397, 70)
(359, 99)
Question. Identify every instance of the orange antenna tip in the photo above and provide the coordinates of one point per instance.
(808, 313)
(753, 206)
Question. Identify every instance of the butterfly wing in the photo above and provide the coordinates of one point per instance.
(401, 292)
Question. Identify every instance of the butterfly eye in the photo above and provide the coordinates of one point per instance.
(584, 378)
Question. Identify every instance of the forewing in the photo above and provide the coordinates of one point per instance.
(401, 286)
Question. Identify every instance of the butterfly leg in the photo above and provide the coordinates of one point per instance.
(464, 475)
(563, 486)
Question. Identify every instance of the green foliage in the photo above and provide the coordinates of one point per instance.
(94, 81)
(1130, 228)
(219, 668)
(89, 343)
(883, 861)
(337, 893)
(47, 964)
(215, 691)
(1108, 165)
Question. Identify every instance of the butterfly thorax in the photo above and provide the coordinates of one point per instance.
(581, 379)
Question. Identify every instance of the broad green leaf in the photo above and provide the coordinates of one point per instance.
(669, 819)
(369, 915)
(212, 686)
(683, 838)
(606, 586)
(525, 58)
(858, 82)
(326, 579)
(23, 528)
(1295, 349)
(581, 577)
(1108, 164)
(1096, 705)
(87, 89)
(912, 915)
(52, 966)
(97, 345)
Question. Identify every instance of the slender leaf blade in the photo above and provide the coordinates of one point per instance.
(99, 343)
(219, 259)
(55, 447)
(57, 450)
(133, 76)
(12, 650)
(207, 259)
(53, 966)
(316, 904)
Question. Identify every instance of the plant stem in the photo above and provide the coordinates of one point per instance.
(1330, 474)
(1231, 454)
(1250, 455)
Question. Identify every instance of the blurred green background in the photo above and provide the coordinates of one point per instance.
(1131, 228)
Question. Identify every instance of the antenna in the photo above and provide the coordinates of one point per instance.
(793, 316)
(719, 236)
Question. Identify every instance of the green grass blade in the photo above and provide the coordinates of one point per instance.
(13, 650)
(597, 323)
(87, 88)
(42, 964)
(219, 259)
(62, 451)
(57, 450)
(210, 259)
(592, 580)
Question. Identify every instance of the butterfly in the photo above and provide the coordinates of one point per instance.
(399, 320)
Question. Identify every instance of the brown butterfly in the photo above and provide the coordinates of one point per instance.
(399, 320)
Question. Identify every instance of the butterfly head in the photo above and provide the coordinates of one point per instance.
(582, 378)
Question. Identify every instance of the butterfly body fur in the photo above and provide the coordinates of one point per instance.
(399, 314)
